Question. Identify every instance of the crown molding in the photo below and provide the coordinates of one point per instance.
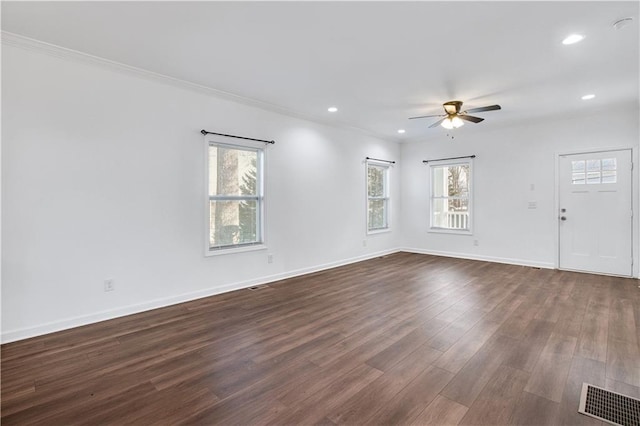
(34, 45)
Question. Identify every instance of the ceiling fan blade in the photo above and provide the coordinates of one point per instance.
(437, 123)
(426, 116)
(470, 118)
(482, 109)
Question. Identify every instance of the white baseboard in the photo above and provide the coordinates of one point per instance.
(51, 327)
(509, 261)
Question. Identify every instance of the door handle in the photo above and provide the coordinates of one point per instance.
(563, 218)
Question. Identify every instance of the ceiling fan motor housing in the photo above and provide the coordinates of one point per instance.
(452, 107)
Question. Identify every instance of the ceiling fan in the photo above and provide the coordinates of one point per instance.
(453, 117)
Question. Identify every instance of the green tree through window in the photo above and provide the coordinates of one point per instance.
(248, 215)
(450, 196)
(234, 196)
(377, 197)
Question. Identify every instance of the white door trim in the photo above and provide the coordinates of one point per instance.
(635, 183)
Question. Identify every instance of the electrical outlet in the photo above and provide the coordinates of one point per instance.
(269, 258)
(476, 243)
(364, 243)
(108, 285)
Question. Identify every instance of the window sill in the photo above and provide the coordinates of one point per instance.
(378, 231)
(220, 252)
(450, 231)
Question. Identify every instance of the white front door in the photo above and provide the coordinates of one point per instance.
(595, 212)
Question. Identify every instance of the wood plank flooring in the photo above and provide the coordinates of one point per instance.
(403, 339)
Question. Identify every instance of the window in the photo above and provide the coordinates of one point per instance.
(235, 196)
(451, 196)
(377, 197)
(594, 171)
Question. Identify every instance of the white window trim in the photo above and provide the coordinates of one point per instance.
(241, 248)
(441, 163)
(387, 167)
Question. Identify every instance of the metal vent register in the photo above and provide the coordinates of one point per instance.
(609, 406)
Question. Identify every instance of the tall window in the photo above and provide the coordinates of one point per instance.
(451, 196)
(235, 196)
(377, 197)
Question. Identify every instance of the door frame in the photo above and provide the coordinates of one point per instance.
(635, 183)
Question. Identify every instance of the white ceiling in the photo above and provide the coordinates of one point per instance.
(378, 62)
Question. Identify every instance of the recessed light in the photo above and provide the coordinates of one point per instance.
(573, 38)
(587, 97)
(332, 109)
(401, 131)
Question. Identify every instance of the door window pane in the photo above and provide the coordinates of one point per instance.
(608, 164)
(577, 166)
(593, 177)
(593, 165)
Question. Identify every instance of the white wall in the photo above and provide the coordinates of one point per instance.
(508, 162)
(103, 177)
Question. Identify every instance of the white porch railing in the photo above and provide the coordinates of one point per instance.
(457, 220)
(451, 220)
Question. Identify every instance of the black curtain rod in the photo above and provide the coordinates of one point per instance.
(450, 158)
(384, 161)
(204, 132)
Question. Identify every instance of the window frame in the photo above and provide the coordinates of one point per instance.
(386, 196)
(445, 163)
(260, 243)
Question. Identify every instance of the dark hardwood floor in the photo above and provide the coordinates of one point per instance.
(403, 339)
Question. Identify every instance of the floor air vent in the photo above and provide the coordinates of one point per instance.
(258, 287)
(609, 406)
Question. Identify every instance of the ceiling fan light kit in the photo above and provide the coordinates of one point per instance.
(453, 118)
(452, 122)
